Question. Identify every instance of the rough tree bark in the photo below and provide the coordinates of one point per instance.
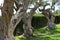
(26, 19)
(10, 22)
(1, 31)
(28, 29)
(17, 18)
(50, 17)
(7, 12)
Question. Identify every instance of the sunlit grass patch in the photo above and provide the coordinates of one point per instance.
(43, 34)
(17, 38)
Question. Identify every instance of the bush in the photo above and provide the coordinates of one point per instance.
(38, 21)
(57, 19)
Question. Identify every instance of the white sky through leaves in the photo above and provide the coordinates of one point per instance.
(1, 4)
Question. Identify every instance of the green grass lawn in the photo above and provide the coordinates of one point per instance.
(43, 34)
(36, 15)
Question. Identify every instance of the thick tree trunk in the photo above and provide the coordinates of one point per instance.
(50, 17)
(11, 23)
(27, 21)
(14, 22)
(1, 30)
(7, 12)
(28, 29)
(17, 18)
(51, 24)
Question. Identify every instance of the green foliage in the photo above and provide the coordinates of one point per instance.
(56, 14)
(43, 34)
(41, 15)
(36, 15)
(39, 21)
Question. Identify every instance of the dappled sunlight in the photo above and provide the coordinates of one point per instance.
(43, 34)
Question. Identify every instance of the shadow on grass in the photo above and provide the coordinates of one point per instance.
(44, 34)
(37, 38)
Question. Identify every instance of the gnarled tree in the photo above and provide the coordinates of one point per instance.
(10, 21)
